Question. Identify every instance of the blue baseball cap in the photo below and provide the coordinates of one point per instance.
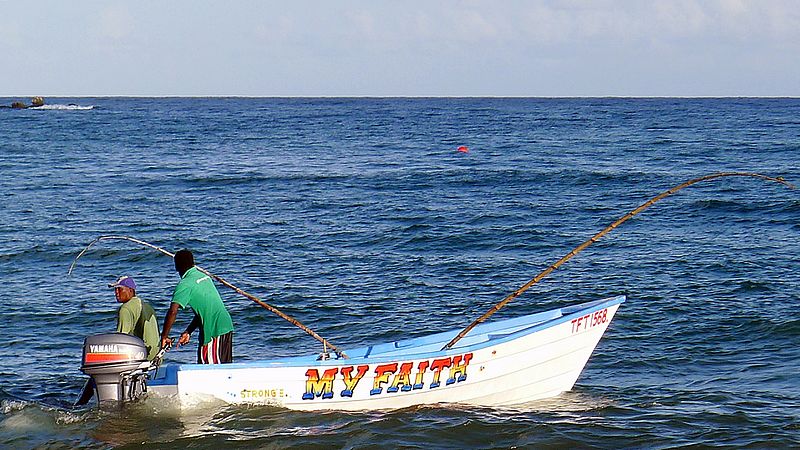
(123, 281)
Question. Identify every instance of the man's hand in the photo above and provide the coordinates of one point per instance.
(184, 339)
(166, 342)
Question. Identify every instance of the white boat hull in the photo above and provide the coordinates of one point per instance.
(500, 364)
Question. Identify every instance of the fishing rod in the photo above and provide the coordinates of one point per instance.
(597, 236)
(325, 343)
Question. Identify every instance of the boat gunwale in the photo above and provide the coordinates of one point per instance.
(484, 331)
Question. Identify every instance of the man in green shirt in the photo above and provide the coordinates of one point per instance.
(136, 317)
(197, 291)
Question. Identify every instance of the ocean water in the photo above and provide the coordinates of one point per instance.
(359, 218)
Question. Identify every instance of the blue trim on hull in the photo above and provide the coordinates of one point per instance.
(425, 347)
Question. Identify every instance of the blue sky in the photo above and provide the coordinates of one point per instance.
(401, 48)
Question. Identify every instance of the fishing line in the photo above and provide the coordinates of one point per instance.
(597, 236)
(325, 343)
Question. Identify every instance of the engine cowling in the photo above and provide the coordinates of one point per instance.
(115, 361)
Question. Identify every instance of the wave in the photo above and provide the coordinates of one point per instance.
(69, 107)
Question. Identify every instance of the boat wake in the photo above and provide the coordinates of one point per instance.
(65, 107)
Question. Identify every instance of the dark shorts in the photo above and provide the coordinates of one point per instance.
(218, 351)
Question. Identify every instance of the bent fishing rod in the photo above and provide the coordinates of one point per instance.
(597, 236)
(325, 343)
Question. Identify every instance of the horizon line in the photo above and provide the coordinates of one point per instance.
(414, 96)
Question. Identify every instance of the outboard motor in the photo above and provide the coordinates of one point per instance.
(117, 362)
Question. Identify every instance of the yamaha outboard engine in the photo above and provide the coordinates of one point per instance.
(117, 362)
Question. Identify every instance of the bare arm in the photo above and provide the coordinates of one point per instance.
(196, 322)
(193, 326)
(168, 322)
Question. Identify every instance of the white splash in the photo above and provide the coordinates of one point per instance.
(64, 107)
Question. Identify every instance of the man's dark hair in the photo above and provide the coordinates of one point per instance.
(184, 260)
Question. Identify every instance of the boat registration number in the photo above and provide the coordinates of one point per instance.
(590, 320)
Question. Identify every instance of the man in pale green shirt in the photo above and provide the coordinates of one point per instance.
(136, 317)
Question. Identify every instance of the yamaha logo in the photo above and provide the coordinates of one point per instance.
(104, 348)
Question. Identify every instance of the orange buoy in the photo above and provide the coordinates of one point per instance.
(463, 149)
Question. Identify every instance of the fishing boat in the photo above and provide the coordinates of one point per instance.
(500, 363)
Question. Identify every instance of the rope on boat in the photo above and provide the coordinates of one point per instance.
(597, 236)
(325, 343)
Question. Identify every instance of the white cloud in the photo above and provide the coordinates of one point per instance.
(733, 7)
(363, 24)
(276, 31)
(569, 21)
(10, 35)
(679, 19)
(116, 22)
(472, 25)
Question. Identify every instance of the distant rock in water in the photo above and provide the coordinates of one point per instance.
(35, 102)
